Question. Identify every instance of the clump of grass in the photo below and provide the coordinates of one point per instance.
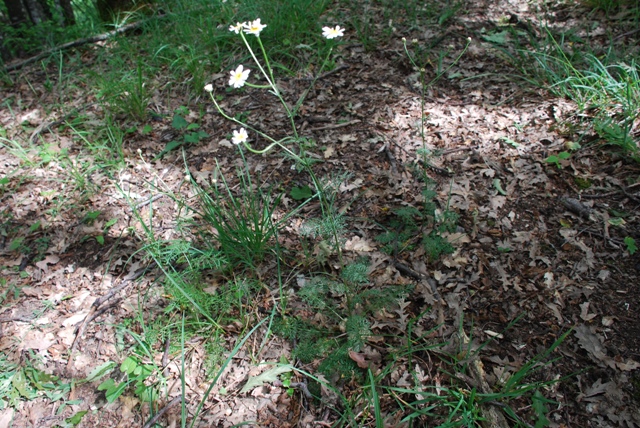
(605, 88)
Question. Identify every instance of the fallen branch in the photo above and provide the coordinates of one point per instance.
(76, 43)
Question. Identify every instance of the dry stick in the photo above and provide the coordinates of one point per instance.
(406, 270)
(47, 126)
(147, 202)
(338, 125)
(94, 307)
(158, 415)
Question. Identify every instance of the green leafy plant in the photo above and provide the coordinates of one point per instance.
(137, 374)
(347, 303)
(631, 245)
(410, 225)
(187, 134)
(457, 403)
(557, 159)
(26, 382)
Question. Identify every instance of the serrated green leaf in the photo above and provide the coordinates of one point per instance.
(192, 126)
(179, 122)
(498, 38)
(192, 138)
(631, 245)
(270, 375)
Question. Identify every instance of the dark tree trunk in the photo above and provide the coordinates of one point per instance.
(67, 13)
(17, 12)
(38, 12)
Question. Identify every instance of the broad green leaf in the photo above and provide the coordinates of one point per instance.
(75, 419)
(498, 186)
(192, 138)
(631, 245)
(179, 122)
(129, 365)
(19, 382)
(498, 38)
(616, 221)
(270, 375)
(15, 244)
(100, 371)
(301, 193)
(171, 145)
(107, 384)
(112, 394)
(100, 239)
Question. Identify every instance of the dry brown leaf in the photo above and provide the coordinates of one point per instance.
(359, 244)
(360, 359)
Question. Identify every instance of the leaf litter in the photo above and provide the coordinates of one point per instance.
(526, 245)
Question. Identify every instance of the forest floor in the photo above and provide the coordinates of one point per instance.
(536, 255)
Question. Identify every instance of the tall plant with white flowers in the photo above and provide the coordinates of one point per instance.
(292, 145)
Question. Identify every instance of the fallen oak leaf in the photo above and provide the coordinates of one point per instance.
(359, 359)
(358, 244)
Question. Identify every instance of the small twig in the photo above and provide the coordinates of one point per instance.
(94, 308)
(164, 410)
(104, 309)
(406, 270)
(147, 202)
(598, 196)
(629, 33)
(16, 318)
(47, 126)
(457, 149)
(335, 126)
